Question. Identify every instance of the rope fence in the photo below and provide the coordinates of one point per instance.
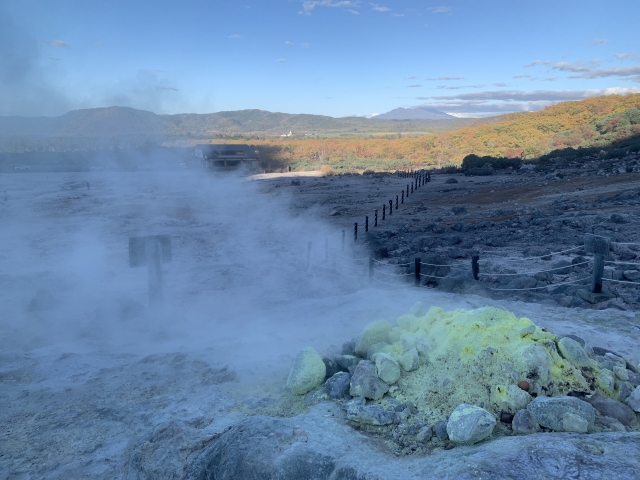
(596, 246)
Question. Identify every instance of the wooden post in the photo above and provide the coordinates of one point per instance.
(384, 209)
(390, 207)
(475, 268)
(598, 271)
(396, 202)
(343, 240)
(154, 271)
(366, 223)
(355, 232)
(412, 188)
(308, 255)
(375, 218)
(402, 200)
(407, 190)
(417, 273)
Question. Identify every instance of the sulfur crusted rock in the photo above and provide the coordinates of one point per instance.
(563, 413)
(510, 398)
(375, 332)
(409, 360)
(573, 351)
(469, 424)
(307, 372)
(387, 368)
(634, 400)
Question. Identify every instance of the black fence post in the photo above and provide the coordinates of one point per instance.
(375, 218)
(475, 268)
(384, 209)
(598, 271)
(396, 202)
(411, 187)
(366, 223)
(355, 232)
(417, 277)
(407, 190)
(390, 207)
(402, 197)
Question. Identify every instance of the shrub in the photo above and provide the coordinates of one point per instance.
(327, 171)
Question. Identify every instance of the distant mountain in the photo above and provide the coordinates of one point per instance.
(414, 113)
(114, 122)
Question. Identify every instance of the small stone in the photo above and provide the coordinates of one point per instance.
(307, 372)
(606, 381)
(366, 383)
(634, 400)
(573, 351)
(612, 408)
(624, 390)
(527, 330)
(347, 362)
(523, 385)
(506, 417)
(387, 368)
(524, 423)
(409, 360)
(424, 435)
(338, 385)
(550, 412)
(469, 424)
(441, 430)
(632, 275)
(621, 373)
(610, 424)
(369, 414)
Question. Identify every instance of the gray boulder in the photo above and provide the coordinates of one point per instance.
(562, 414)
(338, 385)
(347, 362)
(524, 423)
(612, 408)
(366, 383)
(375, 332)
(387, 368)
(369, 414)
(441, 430)
(469, 424)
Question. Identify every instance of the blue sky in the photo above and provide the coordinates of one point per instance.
(329, 57)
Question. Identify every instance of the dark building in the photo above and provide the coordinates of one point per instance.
(228, 156)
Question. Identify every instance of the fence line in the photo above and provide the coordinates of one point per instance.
(392, 274)
(517, 259)
(530, 273)
(538, 288)
(620, 281)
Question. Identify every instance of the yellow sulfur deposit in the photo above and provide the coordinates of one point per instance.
(478, 357)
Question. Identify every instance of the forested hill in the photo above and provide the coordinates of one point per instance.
(124, 121)
(598, 121)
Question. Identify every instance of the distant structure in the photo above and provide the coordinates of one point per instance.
(287, 134)
(227, 156)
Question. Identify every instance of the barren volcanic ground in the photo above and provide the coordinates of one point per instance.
(94, 384)
(512, 221)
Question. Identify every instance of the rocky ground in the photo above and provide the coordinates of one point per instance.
(95, 384)
(512, 220)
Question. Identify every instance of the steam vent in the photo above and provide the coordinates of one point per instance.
(467, 375)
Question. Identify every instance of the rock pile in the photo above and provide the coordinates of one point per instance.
(454, 374)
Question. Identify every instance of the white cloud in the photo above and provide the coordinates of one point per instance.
(309, 5)
(58, 43)
(609, 72)
(458, 87)
(235, 35)
(444, 79)
(522, 75)
(414, 86)
(168, 88)
(564, 66)
(627, 56)
(441, 9)
(499, 84)
(281, 60)
(397, 14)
(288, 43)
(355, 12)
(379, 8)
(600, 41)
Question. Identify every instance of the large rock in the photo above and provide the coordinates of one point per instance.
(338, 385)
(369, 414)
(307, 372)
(366, 383)
(563, 413)
(469, 424)
(573, 351)
(612, 408)
(375, 332)
(387, 368)
(347, 362)
(634, 400)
